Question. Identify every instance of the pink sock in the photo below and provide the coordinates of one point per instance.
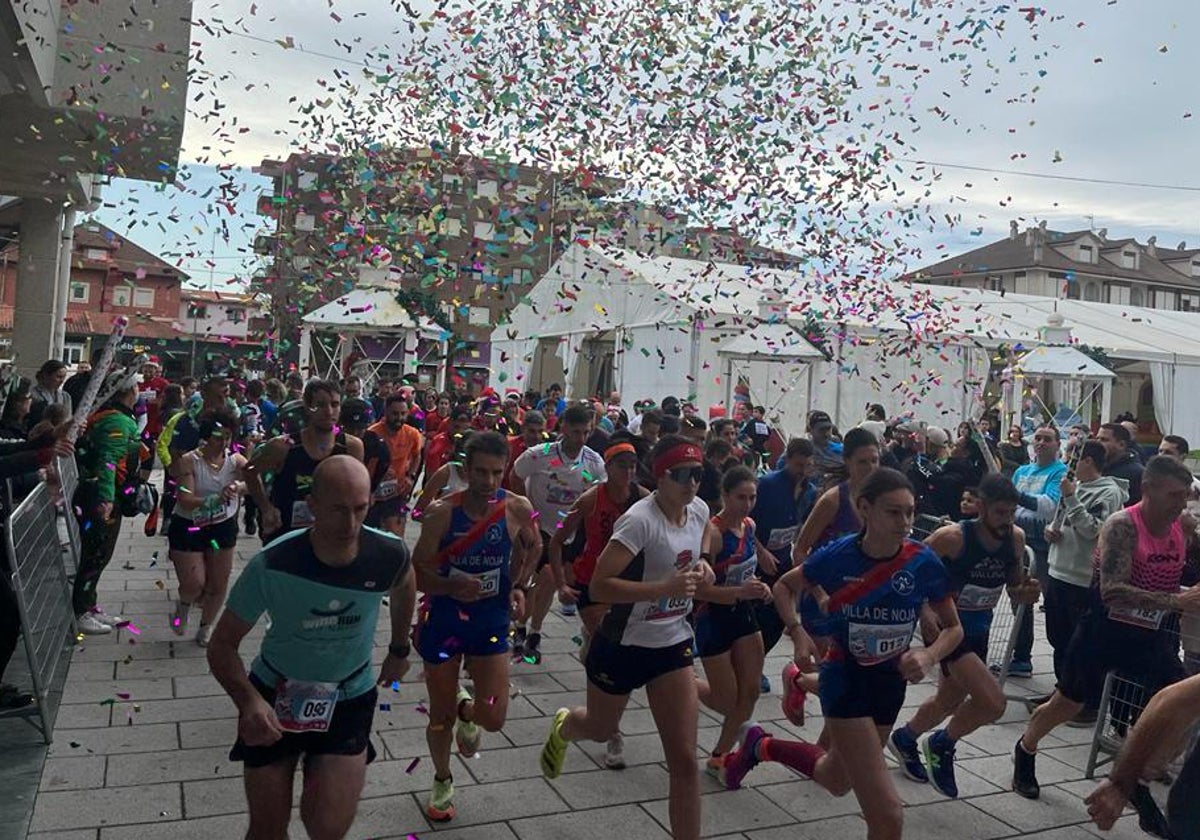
(801, 756)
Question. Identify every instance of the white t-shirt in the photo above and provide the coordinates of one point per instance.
(553, 483)
(659, 548)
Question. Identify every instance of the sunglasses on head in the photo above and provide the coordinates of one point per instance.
(683, 475)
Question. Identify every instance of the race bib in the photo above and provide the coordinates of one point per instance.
(389, 488)
(782, 537)
(302, 517)
(979, 598)
(305, 706)
(1138, 617)
(208, 514)
(761, 429)
(665, 609)
(871, 644)
(489, 581)
(742, 572)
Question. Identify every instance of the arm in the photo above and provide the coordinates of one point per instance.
(916, 663)
(257, 723)
(786, 592)
(583, 507)
(607, 587)
(1081, 519)
(1118, 539)
(1020, 586)
(711, 592)
(816, 523)
(354, 447)
(185, 477)
(268, 458)
(402, 603)
(431, 490)
(1044, 504)
(946, 542)
(1160, 733)
(527, 539)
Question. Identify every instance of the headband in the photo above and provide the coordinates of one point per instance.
(618, 449)
(677, 455)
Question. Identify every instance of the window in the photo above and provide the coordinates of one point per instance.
(1137, 297)
(1189, 302)
(72, 354)
(487, 189)
(80, 292)
(1091, 291)
(143, 298)
(527, 193)
(197, 311)
(1118, 294)
(306, 181)
(451, 183)
(98, 254)
(450, 227)
(305, 222)
(485, 231)
(1196, 268)
(235, 314)
(1162, 299)
(1129, 259)
(1086, 253)
(122, 296)
(1072, 291)
(520, 236)
(479, 316)
(522, 276)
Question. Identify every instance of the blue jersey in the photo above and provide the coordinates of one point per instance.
(736, 562)
(978, 577)
(874, 604)
(778, 512)
(486, 559)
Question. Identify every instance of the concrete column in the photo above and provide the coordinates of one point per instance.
(37, 284)
(64, 281)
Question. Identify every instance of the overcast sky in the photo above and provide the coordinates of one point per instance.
(1115, 88)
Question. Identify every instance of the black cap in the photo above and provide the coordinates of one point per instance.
(819, 418)
(355, 412)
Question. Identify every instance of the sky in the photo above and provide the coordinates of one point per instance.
(1078, 91)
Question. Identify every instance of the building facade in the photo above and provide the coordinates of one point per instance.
(1080, 265)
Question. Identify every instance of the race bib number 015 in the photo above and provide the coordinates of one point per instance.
(871, 644)
(305, 706)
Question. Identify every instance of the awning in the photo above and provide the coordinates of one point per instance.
(1062, 362)
(770, 342)
(369, 310)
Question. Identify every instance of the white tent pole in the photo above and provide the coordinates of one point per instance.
(729, 385)
(305, 347)
(837, 389)
(694, 367)
(808, 388)
(1106, 395)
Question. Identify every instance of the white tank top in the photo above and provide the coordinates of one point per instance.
(456, 483)
(208, 485)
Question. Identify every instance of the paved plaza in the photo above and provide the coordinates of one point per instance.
(140, 753)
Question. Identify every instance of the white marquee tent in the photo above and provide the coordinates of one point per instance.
(925, 349)
(357, 315)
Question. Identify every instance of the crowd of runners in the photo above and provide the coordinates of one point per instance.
(674, 537)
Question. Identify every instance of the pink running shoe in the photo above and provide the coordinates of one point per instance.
(794, 695)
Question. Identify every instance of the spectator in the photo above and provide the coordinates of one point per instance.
(1013, 451)
(49, 390)
(16, 410)
(77, 384)
(1122, 463)
(651, 426)
(827, 452)
(553, 401)
(756, 431)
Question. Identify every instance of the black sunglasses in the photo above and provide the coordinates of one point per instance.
(683, 475)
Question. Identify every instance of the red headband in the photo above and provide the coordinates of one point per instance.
(617, 449)
(677, 455)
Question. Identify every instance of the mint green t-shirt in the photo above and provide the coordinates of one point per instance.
(322, 617)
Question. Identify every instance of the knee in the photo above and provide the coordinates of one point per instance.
(491, 718)
(839, 787)
(994, 705)
(324, 823)
(268, 827)
(442, 722)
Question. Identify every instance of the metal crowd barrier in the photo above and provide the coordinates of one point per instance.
(38, 576)
(68, 481)
(1006, 624)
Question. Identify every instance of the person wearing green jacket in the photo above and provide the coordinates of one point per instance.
(111, 447)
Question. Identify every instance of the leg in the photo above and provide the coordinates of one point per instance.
(10, 618)
(770, 624)
(442, 683)
(191, 569)
(98, 541)
(1048, 717)
(855, 745)
(543, 597)
(937, 708)
(590, 616)
(599, 718)
(217, 567)
(673, 702)
(985, 702)
(719, 688)
(269, 795)
(747, 661)
(490, 706)
(332, 786)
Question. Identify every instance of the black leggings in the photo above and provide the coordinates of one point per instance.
(10, 618)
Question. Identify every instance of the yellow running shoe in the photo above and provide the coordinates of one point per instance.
(554, 753)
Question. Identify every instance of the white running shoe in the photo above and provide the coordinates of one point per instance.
(110, 620)
(614, 752)
(89, 625)
(179, 617)
(203, 635)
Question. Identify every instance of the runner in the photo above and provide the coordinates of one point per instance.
(649, 572)
(204, 526)
(450, 478)
(871, 586)
(1135, 587)
(476, 549)
(553, 476)
(354, 418)
(728, 641)
(311, 691)
(982, 556)
(404, 446)
(598, 510)
(290, 465)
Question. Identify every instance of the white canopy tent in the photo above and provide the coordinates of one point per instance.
(1076, 379)
(774, 354)
(925, 349)
(357, 315)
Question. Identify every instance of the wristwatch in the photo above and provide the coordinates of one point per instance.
(400, 651)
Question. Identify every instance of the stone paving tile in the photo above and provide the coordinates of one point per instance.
(74, 773)
(594, 790)
(1055, 808)
(728, 811)
(199, 829)
(503, 801)
(106, 806)
(95, 690)
(118, 739)
(949, 818)
(837, 827)
(170, 766)
(627, 822)
(76, 834)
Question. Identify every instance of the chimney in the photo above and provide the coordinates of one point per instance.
(1013, 230)
(1182, 246)
(1152, 246)
(1039, 239)
(1103, 234)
